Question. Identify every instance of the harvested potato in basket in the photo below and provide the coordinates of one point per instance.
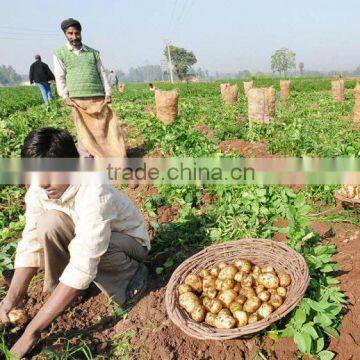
(235, 294)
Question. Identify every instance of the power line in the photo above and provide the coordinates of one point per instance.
(173, 14)
(28, 29)
(27, 34)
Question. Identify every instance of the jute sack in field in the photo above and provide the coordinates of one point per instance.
(285, 86)
(351, 191)
(338, 90)
(248, 85)
(166, 105)
(356, 116)
(121, 87)
(229, 93)
(261, 104)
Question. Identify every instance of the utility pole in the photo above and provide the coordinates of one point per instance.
(167, 42)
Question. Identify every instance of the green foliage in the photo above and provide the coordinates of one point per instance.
(283, 60)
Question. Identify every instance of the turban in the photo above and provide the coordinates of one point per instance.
(70, 22)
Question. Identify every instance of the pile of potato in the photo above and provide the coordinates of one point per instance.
(233, 295)
(351, 191)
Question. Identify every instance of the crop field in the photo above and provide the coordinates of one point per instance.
(182, 220)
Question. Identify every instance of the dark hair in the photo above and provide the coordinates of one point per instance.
(49, 142)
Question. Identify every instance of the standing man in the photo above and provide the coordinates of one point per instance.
(113, 79)
(81, 81)
(40, 74)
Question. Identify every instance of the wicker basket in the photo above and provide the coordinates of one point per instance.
(258, 251)
(353, 204)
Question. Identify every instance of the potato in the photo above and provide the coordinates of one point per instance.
(228, 296)
(259, 289)
(252, 304)
(228, 272)
(224, 321)
(268, 269)
(253, 318)
(189, 301)
(281, 291)
(210, 319)
(198, 314)
(183, 288)
(285, 279)
(208, 282)
(16, 317)
(243, 265)
(235, 306)
(210, 293)
(203, 273)
(214, 271)
(213, 305)
(272, 291)
(225, 312)
(276, 301)
(237, 287)
(222, 285)
(269, 280)
(247, 291)
(265, 310)
(264, 296)
(256, 271)
(241, 317)
(222, 265)
(239, 276)
(195, 282)
(247, 281)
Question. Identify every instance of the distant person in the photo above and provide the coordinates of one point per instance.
(113, 79)
(40, 74)
(152, 87)
(81, 81)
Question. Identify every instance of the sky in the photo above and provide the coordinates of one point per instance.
(225, 35)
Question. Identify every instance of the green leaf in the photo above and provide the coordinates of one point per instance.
(326, 355)
(169, 263)
(323, 320)
(309, 329)
(159, 270)
(320, 343)
(304, 342)
(300, 317)
(331, 332)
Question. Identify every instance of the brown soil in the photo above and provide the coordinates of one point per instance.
(206, 131)
(245, 148)
(151, 335)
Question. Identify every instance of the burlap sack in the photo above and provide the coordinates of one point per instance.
(121, 87)
(98, 129)
(338, 90)
(285, 86)
(166, 105)
(356, 116)
(248, 85)
(351, 191)
(261, 104)
(229, 93)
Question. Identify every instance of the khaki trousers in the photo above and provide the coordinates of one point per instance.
(116, 268)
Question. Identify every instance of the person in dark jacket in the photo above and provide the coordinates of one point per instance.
(40, 74)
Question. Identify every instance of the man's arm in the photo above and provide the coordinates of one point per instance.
(28, 257)
(59, 300)
(60, 78)
(31, 74)
(50, 74)
(104, 79)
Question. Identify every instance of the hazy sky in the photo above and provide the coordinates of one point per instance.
(227, 35)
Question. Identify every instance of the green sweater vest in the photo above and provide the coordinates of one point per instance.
(82, 76)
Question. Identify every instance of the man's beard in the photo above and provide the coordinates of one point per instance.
(75, 42)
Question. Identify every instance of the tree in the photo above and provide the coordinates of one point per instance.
(301, 68)
(182, 60)
(283, 60)
(8, 76)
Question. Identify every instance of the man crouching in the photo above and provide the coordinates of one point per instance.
(78, 234)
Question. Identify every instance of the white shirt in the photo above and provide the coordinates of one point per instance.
(60, 73)
(96, 210)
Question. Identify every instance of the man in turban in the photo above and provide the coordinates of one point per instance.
(81, 81)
